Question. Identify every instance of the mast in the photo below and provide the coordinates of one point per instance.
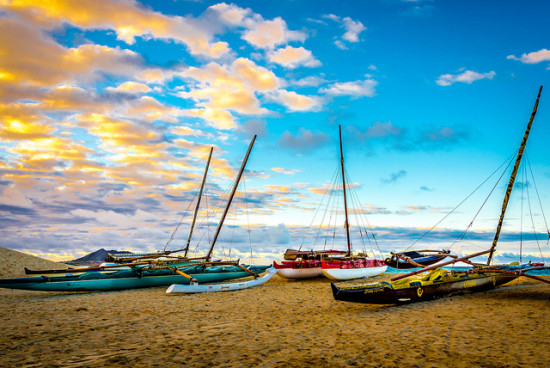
(346, 225)
(198, 202)
(230, 198)
(513, 178)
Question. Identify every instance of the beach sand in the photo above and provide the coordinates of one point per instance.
(280, 324)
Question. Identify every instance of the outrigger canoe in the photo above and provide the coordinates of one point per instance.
(129, 279)
(437, 283)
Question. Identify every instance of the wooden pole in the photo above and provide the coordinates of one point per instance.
(439, 265)
(344, 188)
(198, 203)
(513, 178)
(191, 279)
(247, 270)
(209, 254)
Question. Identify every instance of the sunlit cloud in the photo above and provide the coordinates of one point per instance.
(296, 102)
(267, 34)
(131, 87)
(231, 14)
(127, 18)
(293, 57)
(220, 88)
(466, 76)
(43, 62)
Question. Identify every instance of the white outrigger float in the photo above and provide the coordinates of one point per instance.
(194, 288)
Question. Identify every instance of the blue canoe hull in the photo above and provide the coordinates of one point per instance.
(109, 282)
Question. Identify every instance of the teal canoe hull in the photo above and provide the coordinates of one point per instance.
(128, 280)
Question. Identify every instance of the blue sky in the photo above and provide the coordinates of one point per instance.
(109, 108)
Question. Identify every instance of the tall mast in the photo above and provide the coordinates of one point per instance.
(198, 202)
(346, 225)
(513, 178)
(230, 199)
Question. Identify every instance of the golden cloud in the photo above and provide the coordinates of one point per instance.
(41, 62)
(292, 57)
(128, 19)
(296, 102)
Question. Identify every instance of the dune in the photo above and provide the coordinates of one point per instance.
(13, 263)
(280, 324)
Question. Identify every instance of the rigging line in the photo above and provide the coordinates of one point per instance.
(179, 223)
(364, 218)
(245, 201)
(464, 200)
(356, 211)
(521, 215)
(461, 237)
(533, 223)
(332, 210)
(327, 227)
(312, 220)
(339, 211)
(335, 212)
(538, 196)
(328, 196)
(211, 211)
(333, 206)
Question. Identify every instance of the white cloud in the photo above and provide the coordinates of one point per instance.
(340, 45)
(353, 29)
(467, 76)
(293, 57)
(364, 88)
(310, 81)
(113, 218)
(532, 57)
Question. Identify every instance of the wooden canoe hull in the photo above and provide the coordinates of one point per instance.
(191, 289)
(300, 273)
(383, 293)
(298, 269)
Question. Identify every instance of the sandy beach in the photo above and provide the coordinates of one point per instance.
(280, 324)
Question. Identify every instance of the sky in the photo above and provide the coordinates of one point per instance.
(109, 108)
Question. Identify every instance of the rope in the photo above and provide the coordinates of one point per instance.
(461, 203)
(480, 208)
(247, 217)
(538, 196)
(179, 223)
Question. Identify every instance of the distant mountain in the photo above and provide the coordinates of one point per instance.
(96, 257)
